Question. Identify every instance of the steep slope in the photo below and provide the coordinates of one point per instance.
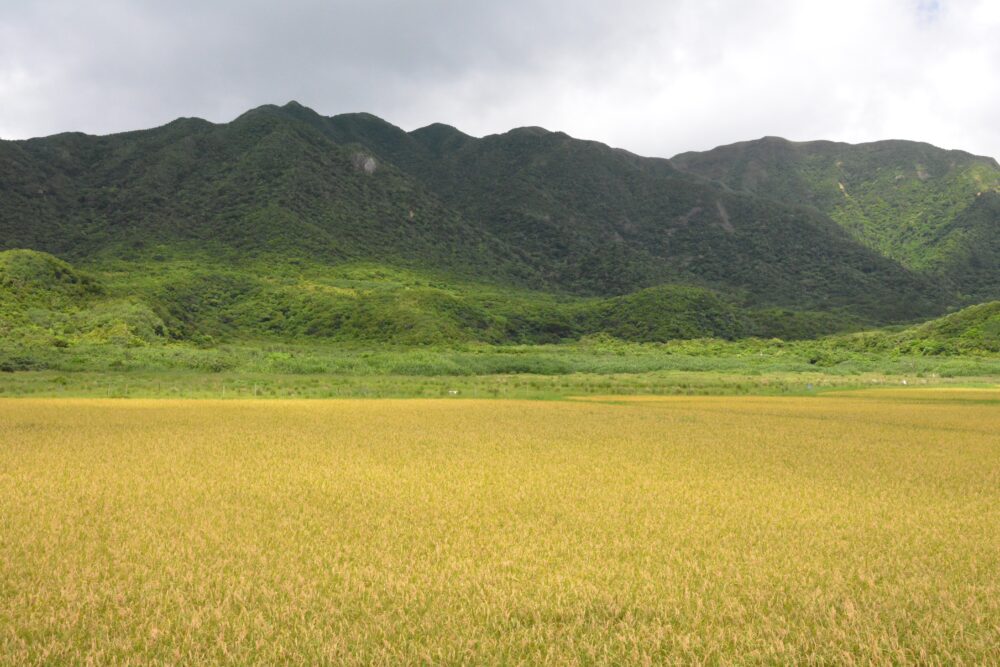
(974, 264)
(269, 182)
(607, 221)
(907, 200)
(531, 208)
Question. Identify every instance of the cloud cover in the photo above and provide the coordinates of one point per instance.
(654, 76)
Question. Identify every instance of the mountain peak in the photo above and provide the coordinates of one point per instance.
(439, 136)
(439, 129)
(364, 128)
(530, 131)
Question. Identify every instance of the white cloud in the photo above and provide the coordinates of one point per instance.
(652, 76)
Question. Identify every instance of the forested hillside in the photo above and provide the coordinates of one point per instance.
(933, 210)
(288, 224)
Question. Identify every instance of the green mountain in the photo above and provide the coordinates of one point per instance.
(933, 210)
(288, 224)
(600, 220)
(264, 184)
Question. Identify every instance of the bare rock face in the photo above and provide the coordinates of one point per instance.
(365, 163)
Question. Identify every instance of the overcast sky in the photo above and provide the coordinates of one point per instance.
(654, 76)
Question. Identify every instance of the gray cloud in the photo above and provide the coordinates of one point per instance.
(656, 77)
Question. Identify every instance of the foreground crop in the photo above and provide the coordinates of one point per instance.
(825, 529)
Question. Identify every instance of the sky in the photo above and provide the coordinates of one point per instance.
(656, 77)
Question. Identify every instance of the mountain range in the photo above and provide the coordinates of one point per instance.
(284, 222)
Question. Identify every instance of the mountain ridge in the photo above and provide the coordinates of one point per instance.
(529, 209)
(900, 198)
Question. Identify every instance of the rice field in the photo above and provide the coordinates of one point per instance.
(854, 528)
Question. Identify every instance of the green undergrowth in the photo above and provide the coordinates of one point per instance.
(204, 302)
(595, 365)
(185, 326)
(194, 384)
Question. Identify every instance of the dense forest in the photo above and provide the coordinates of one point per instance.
(288, 225)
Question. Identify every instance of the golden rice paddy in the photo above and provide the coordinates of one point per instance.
(837, 529)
